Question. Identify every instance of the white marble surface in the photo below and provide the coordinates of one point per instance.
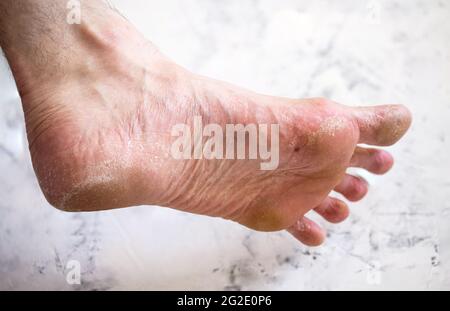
(355, 52)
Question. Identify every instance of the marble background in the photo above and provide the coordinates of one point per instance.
(355, 52)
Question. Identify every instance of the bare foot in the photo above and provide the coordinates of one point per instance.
(99, 130)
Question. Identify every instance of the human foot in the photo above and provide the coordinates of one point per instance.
(99, 131)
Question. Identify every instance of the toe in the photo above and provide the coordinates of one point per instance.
(374, 160)
(353, 188)
(307, 232)
(382, 125)
(333, 210)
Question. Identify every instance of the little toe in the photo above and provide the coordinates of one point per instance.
(307, 232)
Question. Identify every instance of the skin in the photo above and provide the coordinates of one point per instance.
(100, 102)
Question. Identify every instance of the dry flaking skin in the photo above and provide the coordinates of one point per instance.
(100, 138)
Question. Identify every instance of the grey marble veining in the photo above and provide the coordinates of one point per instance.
(355, 52)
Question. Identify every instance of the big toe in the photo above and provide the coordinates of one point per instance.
(382, 125)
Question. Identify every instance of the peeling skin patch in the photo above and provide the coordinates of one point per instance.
(103, 174)
(384, 124)
(303, 226)
(331, 125)
(398, 127)
(328, 127)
